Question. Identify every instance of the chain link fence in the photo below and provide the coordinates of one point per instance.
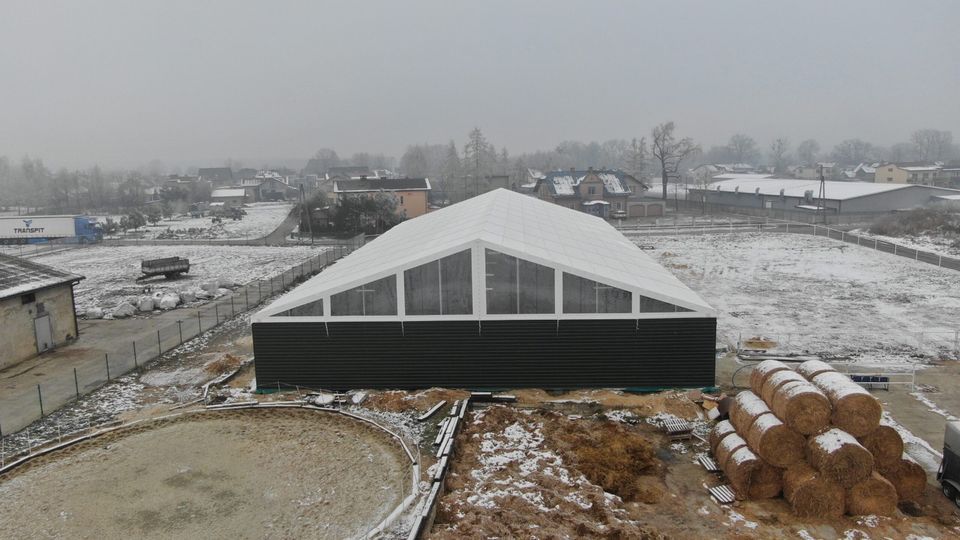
(26, 405)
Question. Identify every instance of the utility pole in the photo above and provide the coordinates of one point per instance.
(303, 204)
(821, 202)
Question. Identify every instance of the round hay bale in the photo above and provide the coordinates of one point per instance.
(777, 380)
(907, 477)
(719, 431)
(745, 409)
(751, 477)
(763, 370)
(872, 496)
(885, 444)
(812, 494)
(802, 406)
(730, 444)
(839, 457)
(812, 368)
(855, 410)
(774, 442)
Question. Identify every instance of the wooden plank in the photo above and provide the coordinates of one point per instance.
(447, 448)
(506, 398)
(463, 407)
(453, 411)
(442, 432)
(441, 469)
(708, 463)
(432, 411)
(723, 494)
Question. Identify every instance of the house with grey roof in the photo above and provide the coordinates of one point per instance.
(601, 192)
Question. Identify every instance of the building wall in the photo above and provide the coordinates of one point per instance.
(18, 338)
(669, 352)
(879, 202)
(412, 203)
(890, 174)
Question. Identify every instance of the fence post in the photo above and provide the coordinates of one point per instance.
(76, 383)
(159, 346)
(40, 398)
(894, 249)
(106, 359)
(216, 312)
(233, 311)
(246, 298)
(180, 329)
(874, 243)
(199, 323)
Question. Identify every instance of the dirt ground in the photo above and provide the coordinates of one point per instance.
(517, 473)
(228, 474)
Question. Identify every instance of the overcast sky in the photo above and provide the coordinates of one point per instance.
(193, 83)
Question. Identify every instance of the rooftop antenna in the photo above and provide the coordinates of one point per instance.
(821, 202)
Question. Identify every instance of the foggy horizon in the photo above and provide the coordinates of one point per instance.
(119, 84)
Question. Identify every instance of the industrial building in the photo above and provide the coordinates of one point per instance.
(37, 311)
(500, 291)
(804, 195)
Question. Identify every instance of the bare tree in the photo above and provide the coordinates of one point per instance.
(779, 149)
(637, 156)
(670, 152)
(807, 152)
(853, 152)
(902, 151)
(932, 144)
(743, 148)
(478, 155)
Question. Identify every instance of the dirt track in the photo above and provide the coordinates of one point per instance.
(240, 474)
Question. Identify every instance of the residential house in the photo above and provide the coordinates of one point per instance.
(950, 175)
(412, 194)
(234, 196)
(706, 171)
(829, 169)
(910, 172)
(217, 176)
(604, 193)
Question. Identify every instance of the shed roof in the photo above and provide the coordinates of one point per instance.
(20, 276)
(229, 192)
(835, 191)
(512, 223)
(366, 185)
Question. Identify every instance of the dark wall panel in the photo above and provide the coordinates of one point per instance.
(491, 354)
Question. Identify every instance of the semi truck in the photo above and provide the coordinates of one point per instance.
(949, 473)
(40, 229)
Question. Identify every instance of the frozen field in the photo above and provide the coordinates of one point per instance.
(261, 220)
(818, 296)
(111, 271)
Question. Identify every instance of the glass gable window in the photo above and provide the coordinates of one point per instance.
(375, 298)
(311, 309)
(516, 286)
(650, 305)
(582, 295)
(441, 287)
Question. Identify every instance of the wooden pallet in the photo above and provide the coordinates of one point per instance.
(709, 464)
(723, 494)
(677, 429)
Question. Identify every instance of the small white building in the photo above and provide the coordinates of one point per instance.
(37, 311)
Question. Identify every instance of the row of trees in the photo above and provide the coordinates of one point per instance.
(924, 145)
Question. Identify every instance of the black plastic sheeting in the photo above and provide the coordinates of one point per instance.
(489, 354)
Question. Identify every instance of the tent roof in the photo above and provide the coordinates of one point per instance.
(515, 224)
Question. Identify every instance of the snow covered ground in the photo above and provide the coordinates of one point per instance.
(111, 271)
(819, 296)
(261, 219)
(939, 244)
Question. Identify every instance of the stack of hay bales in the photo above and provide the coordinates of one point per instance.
(814, 435)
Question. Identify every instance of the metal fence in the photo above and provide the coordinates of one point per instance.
(20, 408)
(709, 225)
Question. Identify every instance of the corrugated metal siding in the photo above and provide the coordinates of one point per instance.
(491, 354)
